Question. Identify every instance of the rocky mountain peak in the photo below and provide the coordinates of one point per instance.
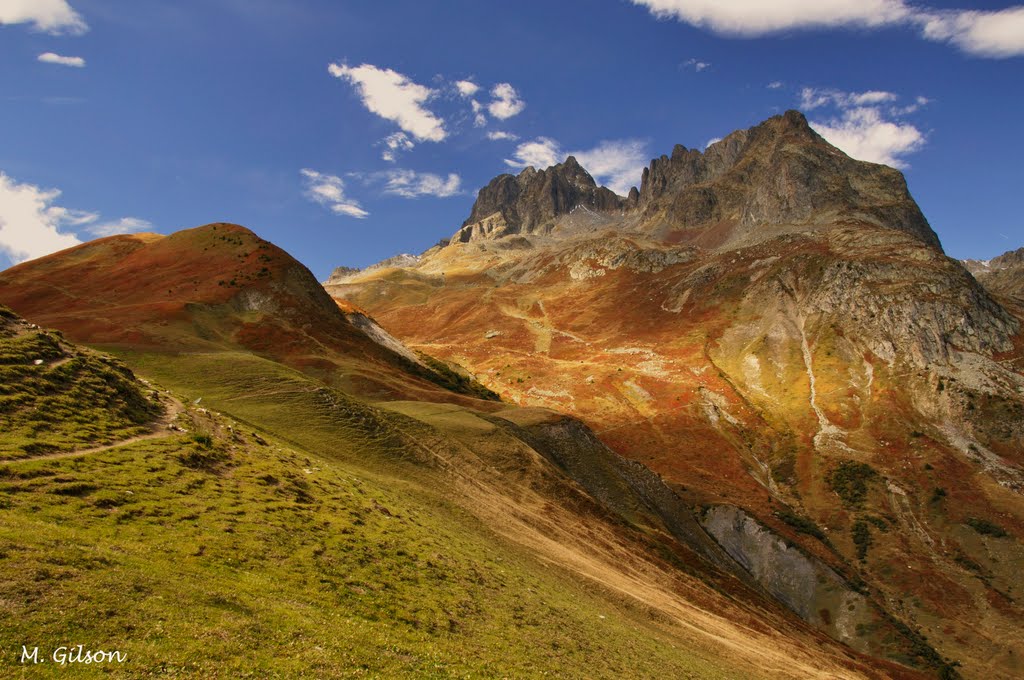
(780, 172)
(778, 176)
(530, 201)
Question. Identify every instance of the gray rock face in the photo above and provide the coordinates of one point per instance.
(527, 203)
(779, 172)
(807, 586)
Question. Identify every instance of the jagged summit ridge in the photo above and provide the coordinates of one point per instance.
(775, 177)
(528, 203)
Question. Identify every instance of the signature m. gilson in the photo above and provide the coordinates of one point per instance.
(74, 654)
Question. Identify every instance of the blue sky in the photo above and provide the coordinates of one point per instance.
(349, 132)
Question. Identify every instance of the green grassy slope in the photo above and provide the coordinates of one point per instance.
(223, 551)
(71, 398)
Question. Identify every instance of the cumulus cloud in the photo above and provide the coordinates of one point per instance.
(866, 125)
(33, 225)
(412, 184)
(329, 191)
(616, 164)
(467, 88)
(996, 34)
(52, 58)
(542, 152)
(49, 16)
(498, 135)
(395, 97)
(506, 102)
(863, 134)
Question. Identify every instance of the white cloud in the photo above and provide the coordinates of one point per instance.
(479, 119)
(394, 97)
(616, 164)
(864, 133)
(498, 135)
(506, 102)
(866, 125)
(774, 85)
(467, 88)
(542, 152)
(697, 65)
(395, 143)
(50, 16)
(412, 184)
(52, 58)
(711, 141)
(33, 225)
(813, 98)
(756, 17)
(329, 191)
(125, 225)
(995, 34)
(30, 223)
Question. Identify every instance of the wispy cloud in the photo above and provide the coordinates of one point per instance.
(53, 58)
(616, 164)
(866, 125)
(506, 102)
(813, 98)
(329, 191)
(49, 16)
(412, 184)
(395, 97)
(774, 85)
(125, 225)
(696, 64)
(997, 34)
(32, 224)
(498, 135)
(396, 143)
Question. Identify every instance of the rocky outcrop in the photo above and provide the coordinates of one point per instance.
(780, 172)
(1003, 275)
(807, 586)
(529, 202)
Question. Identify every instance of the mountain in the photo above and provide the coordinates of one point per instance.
(1002, 275)
(529, 202)
(255, 470)
(771, 327)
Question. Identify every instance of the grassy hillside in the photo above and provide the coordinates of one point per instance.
(220, 549)
(57, 397)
